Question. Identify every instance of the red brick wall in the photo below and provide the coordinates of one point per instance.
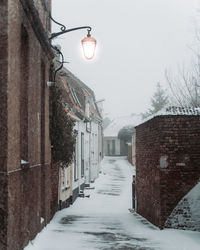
(3, 83)
(25, 194)
(54, 187)
(177, 140)
(3, 211)
(3, 122)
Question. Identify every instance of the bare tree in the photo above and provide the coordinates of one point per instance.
(185, 86)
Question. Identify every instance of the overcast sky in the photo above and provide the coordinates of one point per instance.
(137, 40)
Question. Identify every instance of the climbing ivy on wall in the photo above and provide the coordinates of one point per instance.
(61, 129)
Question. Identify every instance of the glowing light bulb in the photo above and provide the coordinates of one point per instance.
(89, 46)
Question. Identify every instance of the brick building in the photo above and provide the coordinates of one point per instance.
(25, 156)
(167, 162)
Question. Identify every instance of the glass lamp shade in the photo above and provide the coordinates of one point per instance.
(89, 45)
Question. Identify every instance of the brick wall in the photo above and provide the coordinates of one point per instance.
(25, 190)
(54, 185)
(167, 164)
(3, 83)
(3, 122)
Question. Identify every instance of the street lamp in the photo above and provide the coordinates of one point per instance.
(88, 43)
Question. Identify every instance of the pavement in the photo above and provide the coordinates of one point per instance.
(106, 221)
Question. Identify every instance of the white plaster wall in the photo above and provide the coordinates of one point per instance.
(94, 153)
(65, 183)
(87, 157)
(80, 127)
(92, 149)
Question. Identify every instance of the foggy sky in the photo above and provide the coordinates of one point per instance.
(137, 40)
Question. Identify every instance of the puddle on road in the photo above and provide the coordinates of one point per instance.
(111, 161)
(71, 219)
(106, 236)
(111, 194)
(117, 241)
(127, 247)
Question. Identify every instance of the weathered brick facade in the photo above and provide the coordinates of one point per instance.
(25, 58)
(167, 164)
(54, 188)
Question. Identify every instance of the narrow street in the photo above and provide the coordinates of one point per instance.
(103, 220)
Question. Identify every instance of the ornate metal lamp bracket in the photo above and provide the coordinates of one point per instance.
(65, 30)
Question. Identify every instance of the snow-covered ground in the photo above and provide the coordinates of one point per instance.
(103, 221)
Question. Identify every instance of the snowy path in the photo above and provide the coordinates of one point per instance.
(104, 222)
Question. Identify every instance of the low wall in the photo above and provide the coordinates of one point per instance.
(167, 164)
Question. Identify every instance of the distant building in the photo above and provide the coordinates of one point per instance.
(167, 161)
(112, 145)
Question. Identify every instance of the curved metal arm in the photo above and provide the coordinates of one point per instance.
(63, 27)
(62, 62)
(65, 30)
(53, 35)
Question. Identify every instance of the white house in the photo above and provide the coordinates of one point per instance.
(112, 146)
(82, 108)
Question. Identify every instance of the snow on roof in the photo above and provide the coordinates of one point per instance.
(119, 122)
(181, 111)
(172, 110)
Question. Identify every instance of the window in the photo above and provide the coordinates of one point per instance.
(76, 100)
(163, 161)
(113, 147)
(108, 148)
(82, 154)
(75, 163)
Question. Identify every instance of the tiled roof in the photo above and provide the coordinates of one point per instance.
(181, 111)
(175, 111)
(76, 94)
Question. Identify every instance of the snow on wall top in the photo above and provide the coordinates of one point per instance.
(180, 111)
(120, 122)
(188, 218)
(172, 110)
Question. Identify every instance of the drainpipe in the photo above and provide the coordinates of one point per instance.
(78, 160)
(90, 153)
